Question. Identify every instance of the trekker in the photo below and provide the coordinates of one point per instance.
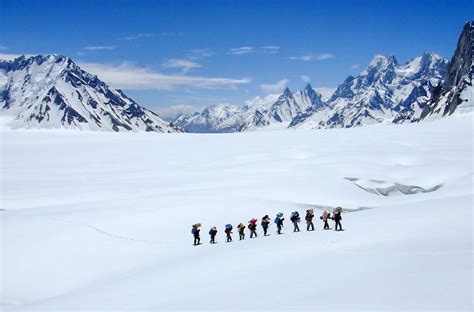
(253, 227)
(265, 224)
(309, 219)
(195, 231)
(212, 233)
(241, 228)
(279, 222)
(337, 218)
(228, 231)
(295, 218)
(325, 217)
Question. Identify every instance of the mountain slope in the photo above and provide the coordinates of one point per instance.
(274, 110)
(378, 93)
(456, 94)
(51, 91)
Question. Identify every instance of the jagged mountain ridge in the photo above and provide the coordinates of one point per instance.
(379, 93)
(51, 91)
(275, 110)
(456, 94)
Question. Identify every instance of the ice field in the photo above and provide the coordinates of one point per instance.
(102, 221)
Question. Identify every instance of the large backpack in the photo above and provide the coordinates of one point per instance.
(277, 220)
(193, 230)
(295, 214)
(228, 226)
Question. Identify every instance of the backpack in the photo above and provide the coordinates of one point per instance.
(277, 220)
(193, 231)
(295, 214)
(228, 226)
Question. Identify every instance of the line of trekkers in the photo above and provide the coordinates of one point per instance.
(265, 224)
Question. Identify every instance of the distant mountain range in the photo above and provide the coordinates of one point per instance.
(426, 87)
(51, 91)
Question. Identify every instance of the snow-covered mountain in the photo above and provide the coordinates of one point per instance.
(51, 91)
(274, 110)
(456, 94)
(217, 118)
(379, 93)
(383, 92)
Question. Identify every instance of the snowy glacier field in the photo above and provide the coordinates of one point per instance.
(101, 221)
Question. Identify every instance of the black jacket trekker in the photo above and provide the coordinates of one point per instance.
(337, 219)
(309, 219)
(197, 238)
(212, 233)
(265, 224)
(228, 231)
(280, 224)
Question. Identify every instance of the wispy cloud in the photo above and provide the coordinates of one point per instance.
(184, 65)
(198, 54)
(100, 48)
(305, 78)
(131, 77)
(355, 66)
(3, 47)
(241, 50)
(170, 113)
(270, 49)
(312, 57)
(136, 37)
(276, 87)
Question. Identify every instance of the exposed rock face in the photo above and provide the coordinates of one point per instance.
(379, 93)
(456, 94)
(51, 91)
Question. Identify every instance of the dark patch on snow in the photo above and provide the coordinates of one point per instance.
(386, 188)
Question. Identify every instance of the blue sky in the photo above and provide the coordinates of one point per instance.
(190, 54)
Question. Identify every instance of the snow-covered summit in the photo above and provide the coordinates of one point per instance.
(456, 94)
(380, 92)
(271, 111)
(51, 91)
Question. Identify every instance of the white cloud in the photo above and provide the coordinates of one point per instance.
(270, 49)
(184, 65)
(355, 66)
(137, 36)
(197, 54)
(276, 87)
(3, 47)
(170, 113)
(100, 48)
(312, 57)
(241, 50)
(128, 76)
(305, 78)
